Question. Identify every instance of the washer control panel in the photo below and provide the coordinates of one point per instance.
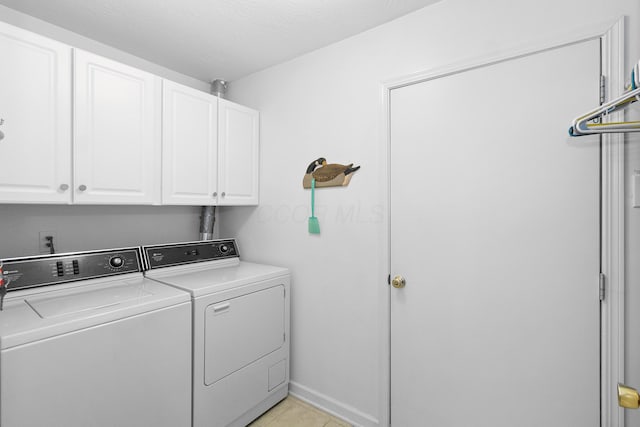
(159, 256)
(28, 272)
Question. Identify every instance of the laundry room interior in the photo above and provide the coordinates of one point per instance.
(446, 123)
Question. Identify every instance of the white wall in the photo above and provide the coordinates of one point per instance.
(328, 103)
(93, 227)
(632, 274)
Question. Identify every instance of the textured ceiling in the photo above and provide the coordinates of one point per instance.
(209, 39)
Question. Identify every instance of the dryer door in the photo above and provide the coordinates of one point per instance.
(241, 330)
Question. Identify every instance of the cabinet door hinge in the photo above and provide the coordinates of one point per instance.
(603, 95)
(602, 287)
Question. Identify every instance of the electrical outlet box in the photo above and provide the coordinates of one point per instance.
(43, 242)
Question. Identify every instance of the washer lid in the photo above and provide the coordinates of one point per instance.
(35, 314)
(50, 306)
(215, 276)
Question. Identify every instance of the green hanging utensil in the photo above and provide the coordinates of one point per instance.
(314, 225)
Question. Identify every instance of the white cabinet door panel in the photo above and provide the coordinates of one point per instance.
(189, 146)
(35, 103)
(116, 132)
(239, 150)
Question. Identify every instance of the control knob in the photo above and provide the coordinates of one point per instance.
(224, 248)
(116, 261)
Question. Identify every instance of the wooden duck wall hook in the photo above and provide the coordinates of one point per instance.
(328, 174)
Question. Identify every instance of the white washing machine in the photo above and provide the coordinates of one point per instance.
(240, 328)
(86, 340)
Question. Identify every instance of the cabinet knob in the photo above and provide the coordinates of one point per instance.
(224, 194)
(82, 187)
(64, 187)
(215, 194)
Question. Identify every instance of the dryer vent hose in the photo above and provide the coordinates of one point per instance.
(207, 221)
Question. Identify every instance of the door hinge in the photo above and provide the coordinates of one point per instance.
(602, 90)
(389, 279)
(602, 287)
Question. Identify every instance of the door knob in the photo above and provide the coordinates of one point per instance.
(398, 282)
(628, 397)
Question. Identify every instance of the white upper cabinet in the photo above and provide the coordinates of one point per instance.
(35, 104)
(189, 146)
(238, 151)
(116, 132)
(80, 128)
(210, 149)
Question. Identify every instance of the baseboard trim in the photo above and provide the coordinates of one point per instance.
(332, 406)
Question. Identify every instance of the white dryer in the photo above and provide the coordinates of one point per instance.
(240, 328)
(86, 340)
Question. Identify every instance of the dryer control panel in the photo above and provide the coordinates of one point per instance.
(159, 256)
(28, 272)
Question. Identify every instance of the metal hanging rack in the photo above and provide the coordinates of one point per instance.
(585, 124)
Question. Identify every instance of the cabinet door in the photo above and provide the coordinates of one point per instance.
(239, 149)
(116, 132)
(35, 104)
(189, 146)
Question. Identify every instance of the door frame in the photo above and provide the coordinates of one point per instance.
(611, 36)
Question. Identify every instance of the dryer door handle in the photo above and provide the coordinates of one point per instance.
(221, 308)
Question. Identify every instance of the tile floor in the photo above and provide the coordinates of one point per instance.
(292, 412)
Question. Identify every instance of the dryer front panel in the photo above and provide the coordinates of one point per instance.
(238, 331)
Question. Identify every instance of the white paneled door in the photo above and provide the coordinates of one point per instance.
(239, 153)
(495, 229)
(117, 145)
(189, 146)
(35, 118)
